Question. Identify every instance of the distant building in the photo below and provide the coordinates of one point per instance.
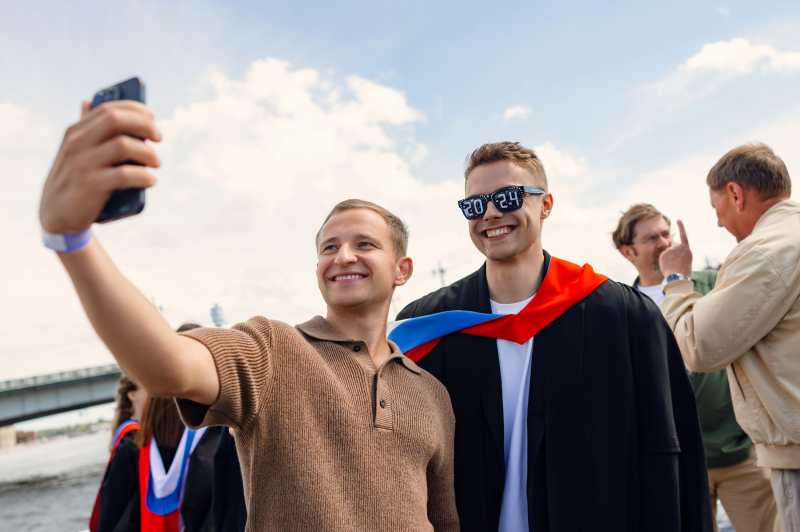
(8, 436)
(25, 437)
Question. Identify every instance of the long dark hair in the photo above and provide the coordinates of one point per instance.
(160, 419)
(124, 410)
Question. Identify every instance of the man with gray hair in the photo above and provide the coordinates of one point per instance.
(750, 322)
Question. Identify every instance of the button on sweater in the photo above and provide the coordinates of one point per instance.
(326, 440)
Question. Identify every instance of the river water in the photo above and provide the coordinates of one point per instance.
(51, 487)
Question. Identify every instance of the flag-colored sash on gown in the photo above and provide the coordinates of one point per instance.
(160, 489)
(122, 430)
(564, 285)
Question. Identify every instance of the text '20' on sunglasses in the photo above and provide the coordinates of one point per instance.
(505, 200)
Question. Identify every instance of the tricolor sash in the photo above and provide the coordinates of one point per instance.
(161, 490)
(122, 430)
(564, 285)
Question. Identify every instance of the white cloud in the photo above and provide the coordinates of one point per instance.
(705, 72)
(516, 112)
(247, 177)
(724, 11)
(739, 56)
(560, 164)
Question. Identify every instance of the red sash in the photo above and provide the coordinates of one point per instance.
(122, 431)
(564, 285)
(152, 522)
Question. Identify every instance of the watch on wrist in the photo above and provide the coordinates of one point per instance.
(674, 277)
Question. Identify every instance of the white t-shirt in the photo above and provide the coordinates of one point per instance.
(515, 374)
(654, 292)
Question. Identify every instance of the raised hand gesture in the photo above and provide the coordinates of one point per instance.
(678, 257)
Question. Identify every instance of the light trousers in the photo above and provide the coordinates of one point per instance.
(745, 492)
(786, 485)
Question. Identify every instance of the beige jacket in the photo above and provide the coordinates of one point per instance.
(750, 324)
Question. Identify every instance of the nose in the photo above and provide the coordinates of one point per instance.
(491, 212)
(345, 256)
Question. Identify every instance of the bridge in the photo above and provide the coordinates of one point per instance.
(45, 395)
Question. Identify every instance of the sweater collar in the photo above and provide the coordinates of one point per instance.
(319, 328)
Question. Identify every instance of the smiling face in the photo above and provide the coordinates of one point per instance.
(511, 235)
(357, 266)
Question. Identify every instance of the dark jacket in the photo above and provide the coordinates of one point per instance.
(614, 443)
(119, 491)
(230, 512)
(724, 440)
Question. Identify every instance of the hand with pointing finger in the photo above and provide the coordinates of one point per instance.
(678, 257)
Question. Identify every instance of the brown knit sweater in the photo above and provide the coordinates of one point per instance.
(326, 440)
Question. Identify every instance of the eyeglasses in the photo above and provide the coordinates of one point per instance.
(506, 200)
(652, 239)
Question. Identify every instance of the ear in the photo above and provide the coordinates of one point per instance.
(132, 396)
(547, 205)
(735, 194)
(627, 251)
(405, 267)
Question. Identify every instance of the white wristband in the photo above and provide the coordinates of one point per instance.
(66, 243)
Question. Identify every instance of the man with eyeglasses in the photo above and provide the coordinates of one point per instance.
(573, 408)
(744, 489)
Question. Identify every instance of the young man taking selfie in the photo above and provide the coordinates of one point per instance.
(573, 408)
(336, 429)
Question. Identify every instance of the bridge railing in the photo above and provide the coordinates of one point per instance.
(39, 380)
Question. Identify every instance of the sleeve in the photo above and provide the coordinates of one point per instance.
(243, 356)
(441, 489)
(120, 486)
(673, 477)
(716, 329)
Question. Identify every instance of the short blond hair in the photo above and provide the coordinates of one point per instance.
(625, 232)
(513, 152)
(398, 231)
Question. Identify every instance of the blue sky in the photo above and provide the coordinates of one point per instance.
(624, 101)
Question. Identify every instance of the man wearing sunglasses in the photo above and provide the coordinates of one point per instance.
(573, 408)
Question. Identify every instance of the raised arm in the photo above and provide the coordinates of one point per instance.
(82, 178)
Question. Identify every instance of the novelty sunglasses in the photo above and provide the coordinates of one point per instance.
(505, 200)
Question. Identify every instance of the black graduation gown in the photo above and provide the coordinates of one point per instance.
(196, 504)
(614, 441)
(230, 511)
(119, 491)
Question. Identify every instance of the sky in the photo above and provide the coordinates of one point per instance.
(272, 113)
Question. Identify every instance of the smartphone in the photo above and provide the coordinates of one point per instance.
(129, 201)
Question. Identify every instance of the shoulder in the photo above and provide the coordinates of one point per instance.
(448, 298)
(437, 392)
(618, 299)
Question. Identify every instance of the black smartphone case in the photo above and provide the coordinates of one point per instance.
(129, 201)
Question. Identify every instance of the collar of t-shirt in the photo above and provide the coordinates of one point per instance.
(654, 292)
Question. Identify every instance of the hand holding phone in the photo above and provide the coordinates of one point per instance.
(128, 201)
(89, 165)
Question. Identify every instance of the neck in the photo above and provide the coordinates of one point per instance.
(650, 278)
(759, 209)
(366, 323)
(516, 279)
